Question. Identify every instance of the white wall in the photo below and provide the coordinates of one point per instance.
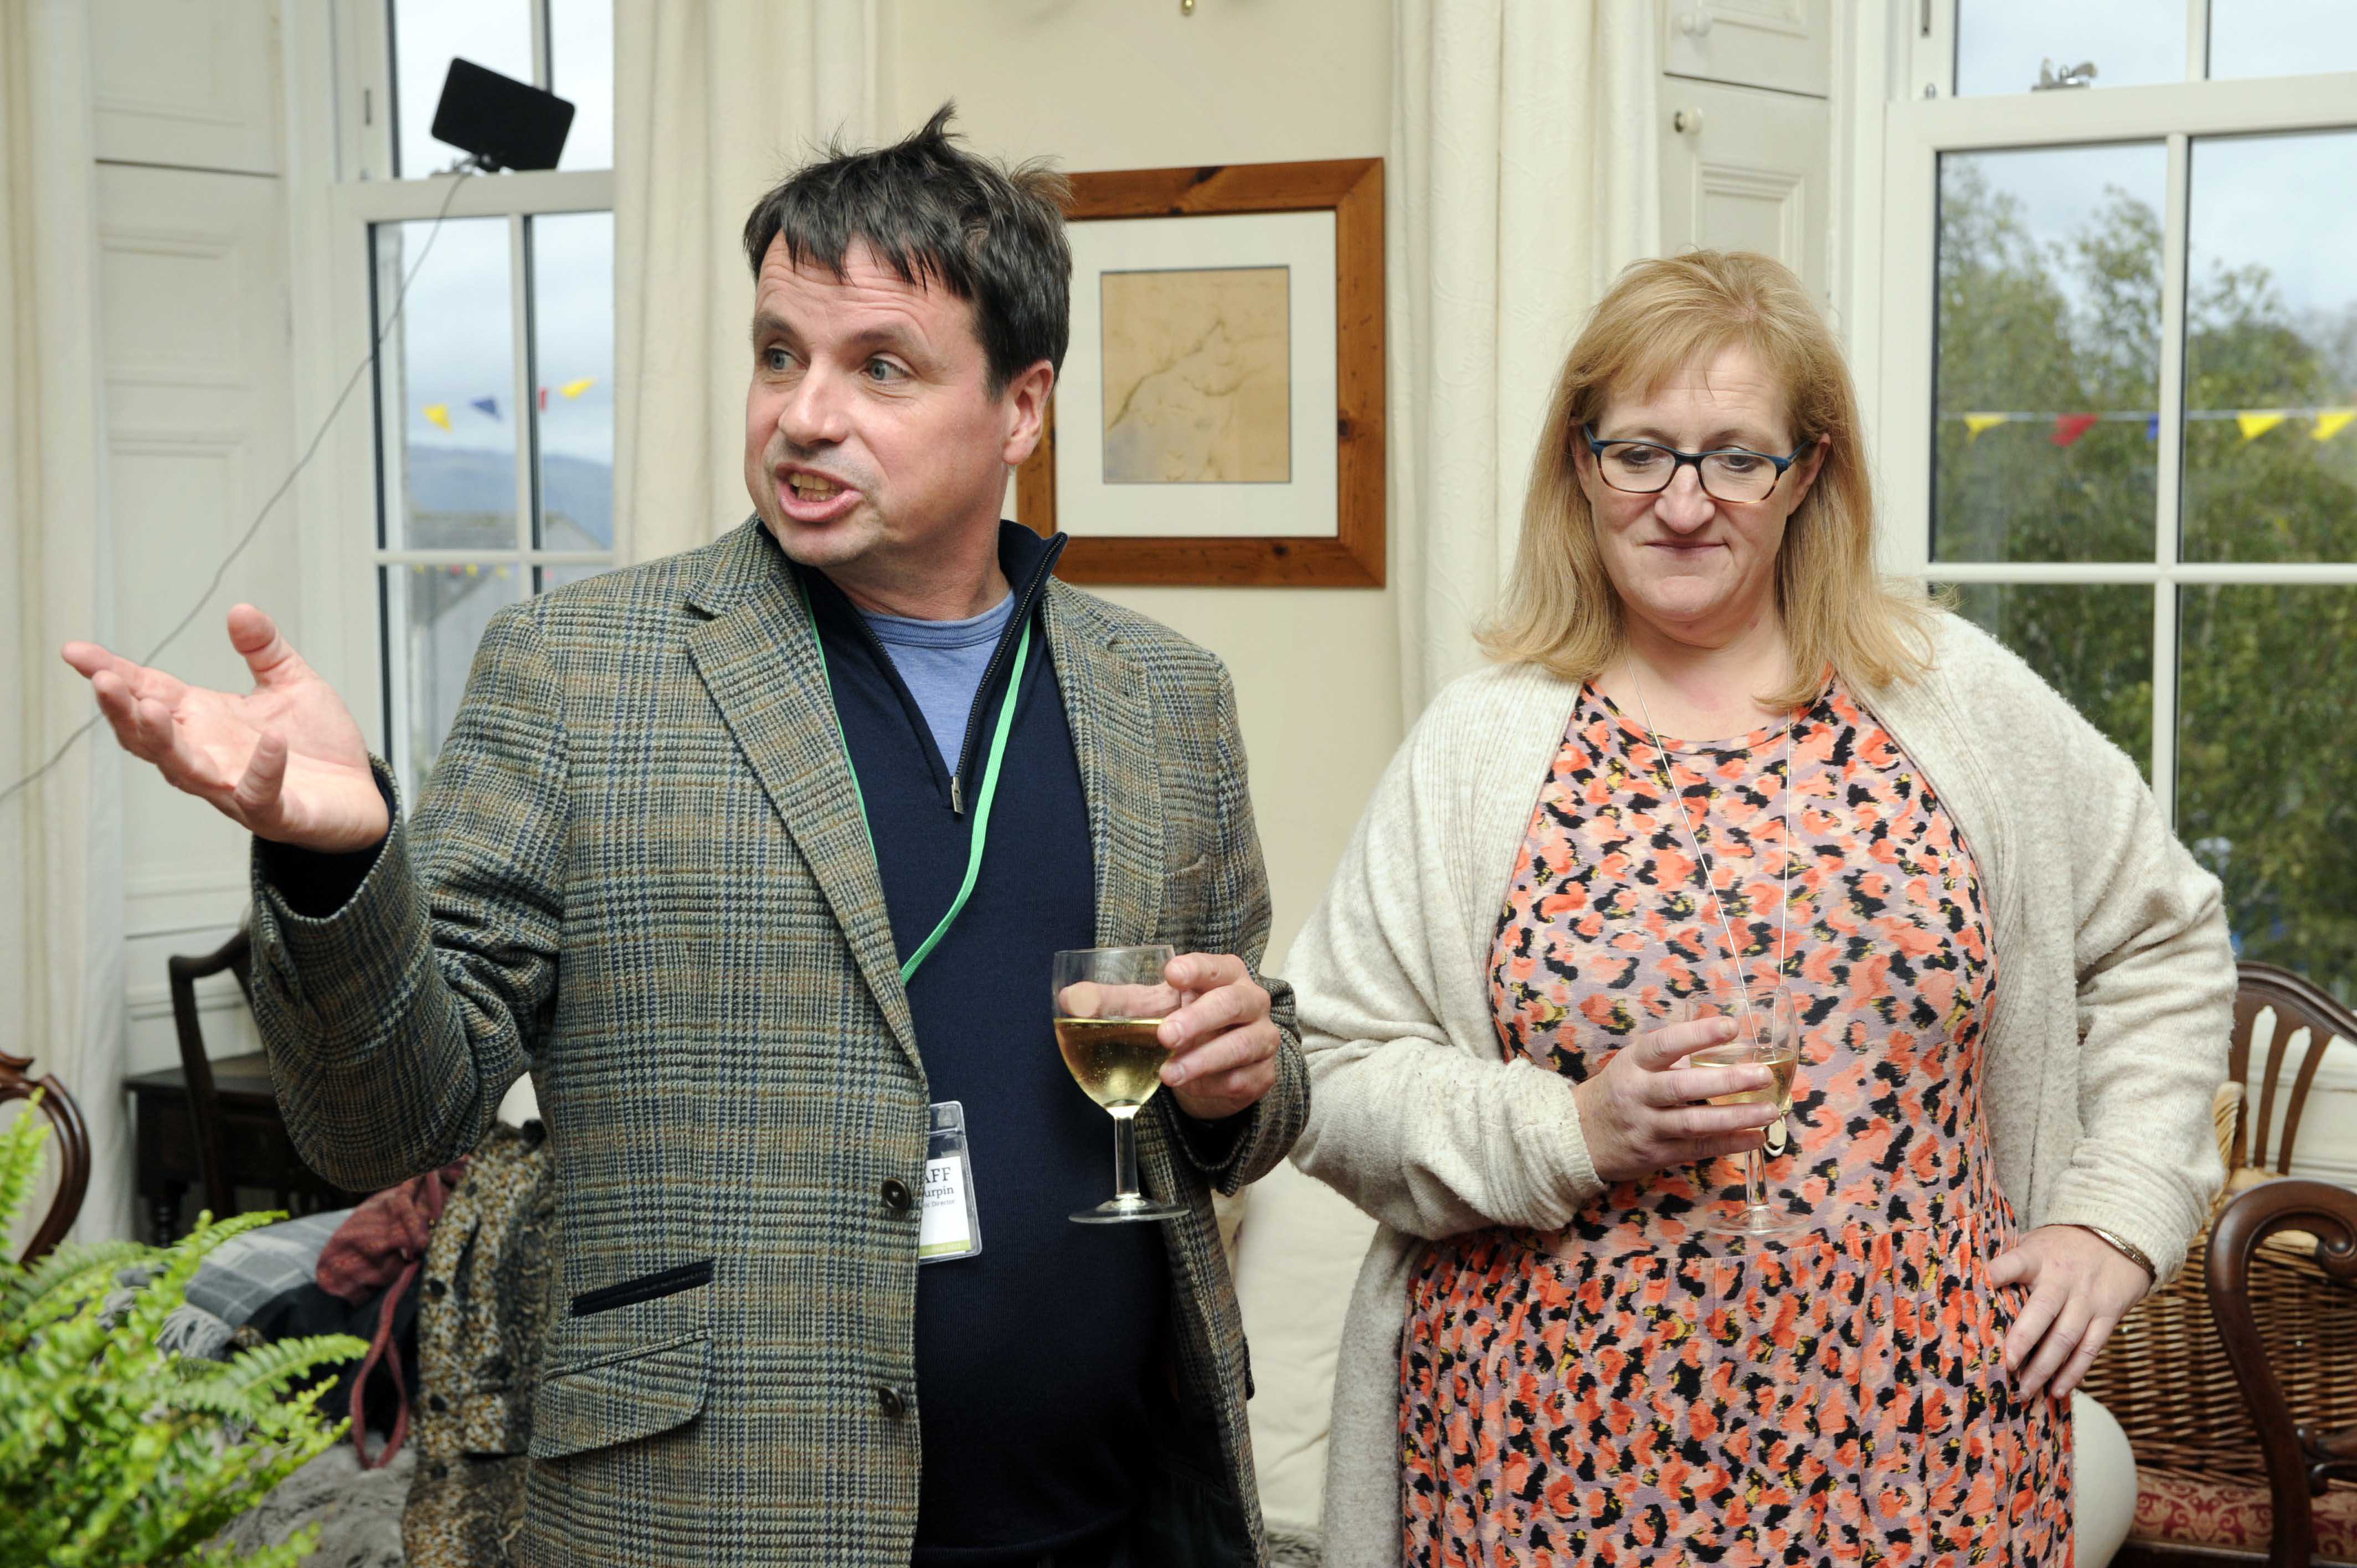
(1135, 84)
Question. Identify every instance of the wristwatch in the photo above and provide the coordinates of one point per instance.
(2122, 1246)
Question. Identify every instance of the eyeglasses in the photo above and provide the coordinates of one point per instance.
(1727, 474)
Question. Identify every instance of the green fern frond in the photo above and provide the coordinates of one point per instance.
(248, 1384)
(113, 1453)
(20, 1160)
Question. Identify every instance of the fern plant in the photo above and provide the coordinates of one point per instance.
(113, 1453)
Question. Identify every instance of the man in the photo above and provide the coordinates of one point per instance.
(696, 856)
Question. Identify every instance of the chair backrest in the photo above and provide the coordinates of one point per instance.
(17, 1082)
(2292, 1342)
(2305, 1021)
(236, 955)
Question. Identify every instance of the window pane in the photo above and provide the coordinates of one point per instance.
(573, 352)
(581, 69)
(426, 34)
(547, 577)
(2271, 349)
(2266, 771)
(2001, 44)
(2090, 642)
(447, 387)
(434, 615)
(2049, 354)
(2281, 37)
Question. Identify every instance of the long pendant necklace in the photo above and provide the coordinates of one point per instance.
(1776, 1136)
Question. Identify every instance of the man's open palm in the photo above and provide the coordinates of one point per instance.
(284, 761)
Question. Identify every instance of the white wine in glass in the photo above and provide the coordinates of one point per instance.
(1109, 1007)
(1767, 1034)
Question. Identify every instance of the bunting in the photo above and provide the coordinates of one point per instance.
(438, 413)
(2066, 427)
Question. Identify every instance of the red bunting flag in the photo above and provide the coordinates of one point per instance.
(2069, 427)
(543, 400)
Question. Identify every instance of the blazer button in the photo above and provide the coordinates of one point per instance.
(896, 1194)
(892, 1402)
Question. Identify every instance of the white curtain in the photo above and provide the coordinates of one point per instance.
(713, 102)
(1525, 174)
(60, 837)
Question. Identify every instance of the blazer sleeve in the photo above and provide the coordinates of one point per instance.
(1236, 920)
(1416, 1117)
(395, 1024)
(2156, 1008)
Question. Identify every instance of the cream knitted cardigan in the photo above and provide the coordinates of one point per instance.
(2115, 995)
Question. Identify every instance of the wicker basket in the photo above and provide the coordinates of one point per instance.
(2165, 1376)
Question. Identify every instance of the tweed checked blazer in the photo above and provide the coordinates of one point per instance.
(641, 872)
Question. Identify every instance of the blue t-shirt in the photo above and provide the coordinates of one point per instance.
(942, 663)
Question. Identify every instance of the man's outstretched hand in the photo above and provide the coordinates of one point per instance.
(284, 761)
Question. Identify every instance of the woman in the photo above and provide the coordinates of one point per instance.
(1711, 740)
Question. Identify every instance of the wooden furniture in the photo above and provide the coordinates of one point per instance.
(214, 1126)
(2202, 1471)
(72, 1141)
(256, 1150)
(2319, 1324)
(235, 956)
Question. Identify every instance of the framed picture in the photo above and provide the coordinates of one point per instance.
(1219, 418)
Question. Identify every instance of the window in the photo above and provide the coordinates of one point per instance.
(494, 442)
(2119, 420)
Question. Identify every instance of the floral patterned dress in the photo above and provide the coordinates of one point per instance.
(1636, 1390)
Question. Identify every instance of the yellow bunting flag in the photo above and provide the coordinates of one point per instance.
(2256, 421)
(439, 413)
(575, 389)
(1976, 422)
(2333, 421)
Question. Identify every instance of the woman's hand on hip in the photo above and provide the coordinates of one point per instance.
(1644, 1112)
(2079, 1288)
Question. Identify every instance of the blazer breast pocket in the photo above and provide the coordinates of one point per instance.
(627, 1360)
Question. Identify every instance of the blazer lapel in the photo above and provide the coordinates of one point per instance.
(1112, 723)
(760, 660)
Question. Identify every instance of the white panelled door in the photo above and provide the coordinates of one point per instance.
(1746, 169)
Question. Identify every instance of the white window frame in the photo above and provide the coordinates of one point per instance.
(343, 198)
(1921, 120)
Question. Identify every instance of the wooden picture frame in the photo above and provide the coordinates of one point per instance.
(1353, 555)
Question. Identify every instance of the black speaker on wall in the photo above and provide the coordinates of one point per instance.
(506, 123)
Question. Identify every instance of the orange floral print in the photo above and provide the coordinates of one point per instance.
(1639, 1391)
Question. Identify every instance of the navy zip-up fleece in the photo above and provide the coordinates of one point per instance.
(1032, 1358)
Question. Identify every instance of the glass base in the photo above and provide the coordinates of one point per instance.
(1765, 1223)
(1122, 1211)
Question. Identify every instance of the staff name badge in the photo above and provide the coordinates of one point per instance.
(948, 1223)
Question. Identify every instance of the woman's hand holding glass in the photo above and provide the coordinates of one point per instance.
(1646, 1111)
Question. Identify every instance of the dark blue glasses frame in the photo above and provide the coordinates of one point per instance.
(1680, 459)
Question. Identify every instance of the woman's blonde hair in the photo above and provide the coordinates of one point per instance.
(1561, 610)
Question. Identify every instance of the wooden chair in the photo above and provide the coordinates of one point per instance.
(2317, 1319)
(72, 1140)
(236, 956)
(2203, 1468)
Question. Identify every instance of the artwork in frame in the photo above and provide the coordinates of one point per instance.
(1220, 417)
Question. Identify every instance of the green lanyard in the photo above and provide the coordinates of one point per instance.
(982, 802)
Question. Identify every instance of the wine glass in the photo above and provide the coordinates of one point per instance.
(1109, 1004)
(1767, 1034)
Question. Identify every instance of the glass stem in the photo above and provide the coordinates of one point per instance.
(1755, 1180)
(1125, 1152)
